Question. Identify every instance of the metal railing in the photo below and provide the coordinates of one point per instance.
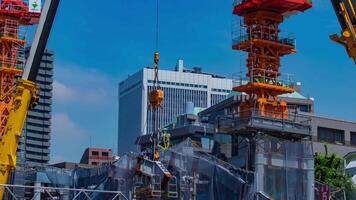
(274, 121)
(271, 77)
(291, 117)
(76, 194)
(289, 40)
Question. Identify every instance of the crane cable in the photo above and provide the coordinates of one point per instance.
(156, 95)
(156, 54)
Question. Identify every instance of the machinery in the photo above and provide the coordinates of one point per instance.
(26, 91)
(346, 14)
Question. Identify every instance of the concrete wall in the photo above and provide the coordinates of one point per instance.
(346, 126)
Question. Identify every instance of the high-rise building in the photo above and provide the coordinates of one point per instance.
(180, 86)
(34, 147)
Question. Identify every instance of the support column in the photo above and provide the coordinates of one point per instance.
(37, 192)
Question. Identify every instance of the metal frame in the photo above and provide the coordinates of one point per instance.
(295, 126)
(118, 195)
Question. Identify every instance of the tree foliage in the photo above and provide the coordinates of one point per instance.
(329, 169)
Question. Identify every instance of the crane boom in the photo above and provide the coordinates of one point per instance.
(26, 94)
(346, 14)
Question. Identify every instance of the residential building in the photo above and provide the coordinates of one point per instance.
(34, 147)
(179, 85)
(97, 156)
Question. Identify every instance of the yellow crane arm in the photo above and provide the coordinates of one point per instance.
(26, 96)
(345, 11)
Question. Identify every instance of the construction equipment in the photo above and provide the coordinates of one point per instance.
(156, 95)
(346, 14)
(14, 15)
(261, 40)
(153, 180)
(26, 92)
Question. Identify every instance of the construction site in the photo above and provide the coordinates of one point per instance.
(255, 142)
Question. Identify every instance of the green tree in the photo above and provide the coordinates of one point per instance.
(329, 169)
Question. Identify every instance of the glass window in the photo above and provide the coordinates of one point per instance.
(331, 135)
(353, 138)
(304, 108)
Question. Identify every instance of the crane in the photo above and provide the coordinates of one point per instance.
(26, 94)
(346, 14)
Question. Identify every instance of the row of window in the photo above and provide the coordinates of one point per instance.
(179, 84)
(174, 105)
(334, 136)
(96, 153)
(220, 90)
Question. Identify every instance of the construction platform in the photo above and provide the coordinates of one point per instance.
(229, 121)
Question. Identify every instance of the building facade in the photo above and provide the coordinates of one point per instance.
(180, 86)
(34, 147)
(96, 156)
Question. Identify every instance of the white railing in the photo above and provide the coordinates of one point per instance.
(85, 194)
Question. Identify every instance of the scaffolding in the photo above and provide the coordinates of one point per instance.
(14, 15)
(260, 38)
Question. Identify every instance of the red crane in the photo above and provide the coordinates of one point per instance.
(13, 15)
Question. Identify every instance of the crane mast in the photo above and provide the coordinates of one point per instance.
(346, 14)
(260, 38)
(14, 15)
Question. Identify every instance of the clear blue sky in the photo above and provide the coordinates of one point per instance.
(98, 44)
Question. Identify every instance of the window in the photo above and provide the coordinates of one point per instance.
(353, 138)
(304, 108)
(331, 135)
(94, 163)
(105, 153)
(94, 153)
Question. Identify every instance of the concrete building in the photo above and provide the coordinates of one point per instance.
(97, 156)
(180, 86)
(338, 134)
(34, 148)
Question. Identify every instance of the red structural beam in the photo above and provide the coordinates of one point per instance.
(278, 6)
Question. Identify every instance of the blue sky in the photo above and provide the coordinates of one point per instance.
(96, 45)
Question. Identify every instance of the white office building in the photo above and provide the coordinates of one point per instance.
(180, 86)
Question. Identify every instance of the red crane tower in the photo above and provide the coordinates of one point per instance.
(13, 15)
(265, 47)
